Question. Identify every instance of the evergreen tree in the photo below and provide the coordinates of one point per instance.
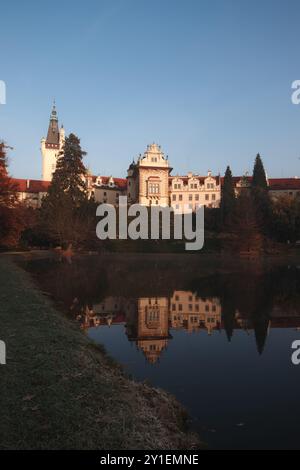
(259, 179)
(69, 176)
(66, 213)
(228, 199)
(260, 195)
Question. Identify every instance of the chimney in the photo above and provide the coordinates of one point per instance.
(27, 184)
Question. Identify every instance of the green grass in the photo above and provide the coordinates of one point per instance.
(60, 391)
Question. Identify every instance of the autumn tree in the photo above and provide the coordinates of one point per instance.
(11, 220)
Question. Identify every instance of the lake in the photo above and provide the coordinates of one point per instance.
(217, 337)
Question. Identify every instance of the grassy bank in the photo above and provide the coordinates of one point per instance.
(59, 391)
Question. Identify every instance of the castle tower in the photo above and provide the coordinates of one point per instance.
(52, 146)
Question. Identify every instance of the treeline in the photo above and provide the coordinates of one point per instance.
(250, 219)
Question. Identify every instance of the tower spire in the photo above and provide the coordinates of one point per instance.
(52, 140)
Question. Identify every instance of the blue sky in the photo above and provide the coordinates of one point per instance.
(209, 80)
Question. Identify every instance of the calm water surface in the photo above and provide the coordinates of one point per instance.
(221, 344)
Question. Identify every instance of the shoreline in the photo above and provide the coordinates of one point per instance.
(61, 391)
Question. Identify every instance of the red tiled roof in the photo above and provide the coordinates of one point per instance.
(31, 186)
(284, 183)
(274, 183)
(39, 186)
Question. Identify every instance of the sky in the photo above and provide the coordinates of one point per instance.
(208, 80)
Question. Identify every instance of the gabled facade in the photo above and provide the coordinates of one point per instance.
(148, 179)
(149, 183)
(192, 191)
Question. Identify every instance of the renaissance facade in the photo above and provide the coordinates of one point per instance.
(149, 181)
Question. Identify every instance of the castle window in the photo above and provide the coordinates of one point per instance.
(190, 197)
(180, 197)
(174, 197)
(213, 197)
(207, 197)
(153, 188)
(197, 197)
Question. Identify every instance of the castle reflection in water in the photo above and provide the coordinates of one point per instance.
(148, 321)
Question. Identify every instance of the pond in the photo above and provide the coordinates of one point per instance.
(220, 341)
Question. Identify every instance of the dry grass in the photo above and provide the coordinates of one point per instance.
(60, 391)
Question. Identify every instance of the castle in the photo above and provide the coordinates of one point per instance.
(149, 180)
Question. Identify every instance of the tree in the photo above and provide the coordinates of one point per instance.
(259, 179)
(286, 218)
(228, 200)
(247, 228)
(70, 173)
(66, 214)
(11, 221)
(260, 194)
